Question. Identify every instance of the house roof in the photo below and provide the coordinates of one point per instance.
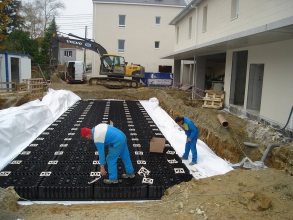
(192, 5)
(15, 54)
(65, 45)
(177, 3)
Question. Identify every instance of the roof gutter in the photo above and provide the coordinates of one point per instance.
(131, 3)
(192, 5)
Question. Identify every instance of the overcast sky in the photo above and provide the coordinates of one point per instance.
(77, 15)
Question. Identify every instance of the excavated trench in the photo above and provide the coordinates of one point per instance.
(228, 143)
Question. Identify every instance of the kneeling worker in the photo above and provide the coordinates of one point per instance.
(107, 135)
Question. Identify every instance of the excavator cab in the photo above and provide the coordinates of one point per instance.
(112, 65)
(115, 65)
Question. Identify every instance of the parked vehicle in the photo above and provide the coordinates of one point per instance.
(75, 72)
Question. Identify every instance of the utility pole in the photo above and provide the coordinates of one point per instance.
(84, 56)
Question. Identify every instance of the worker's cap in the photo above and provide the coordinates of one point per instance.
(85, 131)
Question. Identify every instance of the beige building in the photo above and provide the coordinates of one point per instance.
(139, 30)
(244, 45)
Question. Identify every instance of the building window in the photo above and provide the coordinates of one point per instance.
(122, 21)
(177, 35)
(157, 44)
(121, 45)
(190, 28)
(158, 20)
(67, 53)
(204, 20)
(234, 9)
(165, 69)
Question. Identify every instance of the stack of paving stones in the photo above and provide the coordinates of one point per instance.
(60, 165)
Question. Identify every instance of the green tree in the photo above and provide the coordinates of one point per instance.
(10, 19)
(13, 11)
(4, 19)
(45, 45)
(20, 42)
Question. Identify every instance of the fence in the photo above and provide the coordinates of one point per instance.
(34, 86)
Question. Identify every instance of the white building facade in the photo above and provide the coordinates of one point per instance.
(137, 30)
(246, 44)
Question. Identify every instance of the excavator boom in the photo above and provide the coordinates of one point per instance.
(112, 66)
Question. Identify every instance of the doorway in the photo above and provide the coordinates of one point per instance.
(238, 77)
(14, 69)
(256, 72)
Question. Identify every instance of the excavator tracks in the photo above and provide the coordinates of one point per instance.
(113, 82)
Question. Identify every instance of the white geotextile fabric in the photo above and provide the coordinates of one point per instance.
(208, 163)
(19, 126)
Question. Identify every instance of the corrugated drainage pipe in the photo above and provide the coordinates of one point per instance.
(264, 156)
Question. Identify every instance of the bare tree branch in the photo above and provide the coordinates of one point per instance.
(39, 14)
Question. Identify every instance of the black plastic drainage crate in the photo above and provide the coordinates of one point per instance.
(66, 187)
(25, 185)
(126, 189)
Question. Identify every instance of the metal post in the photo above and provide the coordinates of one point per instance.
(84, 60)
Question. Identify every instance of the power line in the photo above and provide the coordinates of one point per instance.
(68, 27)
(74, 15)
(76, 28)
(77, 24)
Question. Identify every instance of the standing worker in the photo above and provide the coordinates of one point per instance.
(107, 135)
(192, 133)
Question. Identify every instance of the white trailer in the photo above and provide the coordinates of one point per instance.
(14, 67)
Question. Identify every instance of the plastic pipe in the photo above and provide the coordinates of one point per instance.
(264, 156)
(223, 121)
(290, 115)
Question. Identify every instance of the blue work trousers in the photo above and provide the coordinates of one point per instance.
(119, 149)
(191, 146)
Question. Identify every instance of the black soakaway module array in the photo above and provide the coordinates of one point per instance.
(25, 185)
(128, 189)
(61, 165)
(65, 187)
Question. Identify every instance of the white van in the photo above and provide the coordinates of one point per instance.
(75, 72)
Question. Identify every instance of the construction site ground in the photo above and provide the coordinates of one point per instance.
(240, 194)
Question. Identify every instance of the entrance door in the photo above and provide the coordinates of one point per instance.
(256, 72)
(14, 69)
(238, 78)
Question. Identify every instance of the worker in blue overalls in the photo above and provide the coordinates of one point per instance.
(107, 135)
(192, 133)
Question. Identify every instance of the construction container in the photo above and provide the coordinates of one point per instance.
(158, 79)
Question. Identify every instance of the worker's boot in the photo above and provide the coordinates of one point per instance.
(108, 181)
(126, 176)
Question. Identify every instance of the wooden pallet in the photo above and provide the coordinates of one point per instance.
(214, 99)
